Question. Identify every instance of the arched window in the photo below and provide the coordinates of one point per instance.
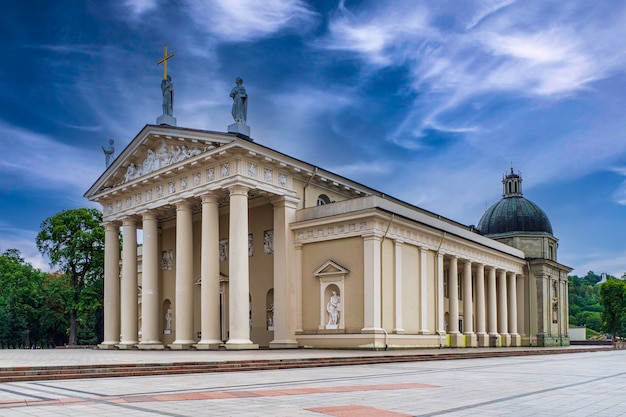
(322, 199)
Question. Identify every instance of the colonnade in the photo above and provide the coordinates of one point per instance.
(121, 292)
(491, 307)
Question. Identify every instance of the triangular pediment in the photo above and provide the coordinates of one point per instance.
(156, 149)
(330, 268)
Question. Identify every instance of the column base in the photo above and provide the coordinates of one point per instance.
(208, 344)
(127, 345)
(494, 340)
(398, 331)
(505, 339)
(482, 339)
(108, 345)
(284, 344)
(150, 346)
(471, 340)
(241, 345)
(456, 339)
(182, 345)
(516, 340)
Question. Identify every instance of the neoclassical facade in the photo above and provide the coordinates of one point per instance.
(245, 247)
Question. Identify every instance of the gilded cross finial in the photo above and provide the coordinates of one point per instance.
(164, 60)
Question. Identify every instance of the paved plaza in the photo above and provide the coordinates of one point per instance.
(573, 384)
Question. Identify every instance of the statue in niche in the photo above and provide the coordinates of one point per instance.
(270, 317)
(250, 245)
(240, 101)
(268, 242)
(223, 245)
(168, 320)
(109, 153)
(167, 88)
(333, 309)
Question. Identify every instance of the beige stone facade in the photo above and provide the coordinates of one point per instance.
(245, 247)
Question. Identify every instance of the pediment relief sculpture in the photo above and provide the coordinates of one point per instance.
(161, 158)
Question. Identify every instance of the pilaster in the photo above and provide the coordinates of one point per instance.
(285, 321)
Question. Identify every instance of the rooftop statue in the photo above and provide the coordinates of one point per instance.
(109, 153)
(167, 88)
(240, 102)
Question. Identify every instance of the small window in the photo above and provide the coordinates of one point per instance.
(322, 199)
(459, 284)
(445, 283)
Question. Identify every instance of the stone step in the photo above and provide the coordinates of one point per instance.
(37, 373)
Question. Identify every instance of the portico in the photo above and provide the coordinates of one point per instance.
(226, 243)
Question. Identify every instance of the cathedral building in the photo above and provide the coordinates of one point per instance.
(245, 247)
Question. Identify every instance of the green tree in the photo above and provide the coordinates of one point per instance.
(20, 301)
(73, 240)
(613, 298)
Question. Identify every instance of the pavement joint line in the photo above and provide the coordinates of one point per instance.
(209, 395)
(514, 397)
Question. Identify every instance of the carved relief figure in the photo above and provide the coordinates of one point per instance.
(223, 250)
(240, 102)
(250, 246)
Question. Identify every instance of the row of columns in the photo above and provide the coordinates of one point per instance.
(496, 316)
(121, 300)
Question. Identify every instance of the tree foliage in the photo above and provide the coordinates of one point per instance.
(73, 240)
(585, 308)
(613, 297)
(28, 305)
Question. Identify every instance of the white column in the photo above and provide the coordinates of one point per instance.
(453, 296)
(492, 327)
(285, 321)
(239, 274)
(183, 308)
(398, 287)
(512, 297)
(111, 286)
(150, 298)
(483, 340)
(502, 308)
(129, 295)
(440, 321)
(423, 286)
(210, 275)
(298, 288)
(468, 316)
(371, 283)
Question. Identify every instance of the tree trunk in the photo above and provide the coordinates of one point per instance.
(73, 340)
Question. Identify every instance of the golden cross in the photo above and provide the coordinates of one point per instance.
(164, 60)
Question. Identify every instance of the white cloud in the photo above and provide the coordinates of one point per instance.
(139, 7)
(41, 162)
(246, 20)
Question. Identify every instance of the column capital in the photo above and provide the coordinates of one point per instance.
(209, 198)
(238, 189)
(129, 221)
(111, 225)
(149, 215)
(373, 235)
(183, 205)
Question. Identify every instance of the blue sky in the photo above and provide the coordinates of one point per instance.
(428, 101)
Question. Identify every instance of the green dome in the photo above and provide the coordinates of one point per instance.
(513, 213)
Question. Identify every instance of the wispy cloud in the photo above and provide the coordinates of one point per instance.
(246, 20)
(42, 162)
